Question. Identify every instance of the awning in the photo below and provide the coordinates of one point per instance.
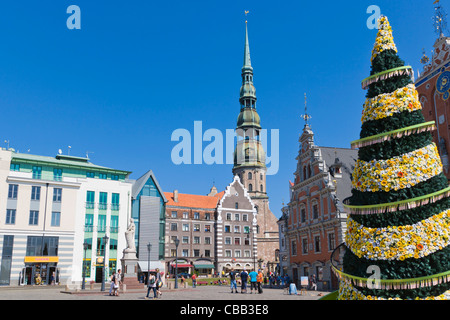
(182, 265)
(143, 265)
(203, 266)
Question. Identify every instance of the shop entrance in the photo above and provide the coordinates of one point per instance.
(40, 274)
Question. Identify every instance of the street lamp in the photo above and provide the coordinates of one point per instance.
(105, 242)
(85, 247)
(149, 248)
(177, 242)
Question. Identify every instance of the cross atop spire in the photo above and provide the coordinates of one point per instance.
(306, 116)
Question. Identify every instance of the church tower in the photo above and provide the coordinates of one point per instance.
(250, 165)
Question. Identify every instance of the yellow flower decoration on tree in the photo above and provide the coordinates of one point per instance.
(388, 104)
(384, 40)
(399, 172)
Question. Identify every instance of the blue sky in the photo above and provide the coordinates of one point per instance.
(138, 70)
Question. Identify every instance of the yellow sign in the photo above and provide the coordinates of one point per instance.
(42, 259)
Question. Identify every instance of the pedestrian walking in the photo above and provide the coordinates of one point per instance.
(159, 283)
(233, 280)
(244, 279)
(194, 281)
(314, 282)
(113, 281)
(151, 284)
(253, 280)
(259, 280)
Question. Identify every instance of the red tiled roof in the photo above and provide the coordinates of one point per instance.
(193, 200)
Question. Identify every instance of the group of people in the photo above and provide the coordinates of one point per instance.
(255, 278)
(154, 283)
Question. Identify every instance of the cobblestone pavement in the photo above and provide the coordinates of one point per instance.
(199, 293)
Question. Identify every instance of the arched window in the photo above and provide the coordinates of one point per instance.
(250, 176)
(304, 173)
(309, 171)
(250, 187)
(262, 188)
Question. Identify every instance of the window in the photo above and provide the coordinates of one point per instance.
(57, 174)
(196, 215)
(261, 176)
(250, 187)
(90, 174)
(114, 227)
(331, 241)
(237, 229)
(227, 240)
(185, 240)
(196, 228)
(305, 246)
(90, 200)
(207, 228)
(56, 219)
(12, 191)
(246, 229)
(228, 253)
(236, 217)
(89, 223)
(228, 217)
(185, 215)
(294, 248)
(103, 201)
(317, 244)
(244, 217)
(237, 253)
(101, 227)
(34, 217)
(112, 244)
(173, 227)
(42, 246)
(196, 240)
(35, 193)
(303, 215)
(173, 238)
(236, 205)
(250, 176)
(315, 211)
(207, 240)
(102, 176)
(57, 193)
(207, 216)
(115, 201)
(246, 241)
(14, 167)
(173, 252)
(227, 229)
(174, 214)
(237, 241)
(114, 177)
(185, 253)
(207, 253)
(37, 172)
(185, 227)
(262, 188)
(10, 216)
(196, 253)
(247, 254)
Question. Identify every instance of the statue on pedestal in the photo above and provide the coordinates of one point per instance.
(129, 236)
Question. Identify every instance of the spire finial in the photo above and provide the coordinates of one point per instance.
(306, 116)
(247, 60)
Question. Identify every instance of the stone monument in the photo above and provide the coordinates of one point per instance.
(129, 260)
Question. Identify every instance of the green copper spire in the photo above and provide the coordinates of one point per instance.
(247, 60)
(249, 150)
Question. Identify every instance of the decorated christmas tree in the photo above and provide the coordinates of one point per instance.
(398, 230)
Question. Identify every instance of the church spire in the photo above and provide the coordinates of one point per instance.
(247, 60)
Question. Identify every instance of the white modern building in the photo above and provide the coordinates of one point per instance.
(54, 215)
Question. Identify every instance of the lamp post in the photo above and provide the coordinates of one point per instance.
(85, 247)
(149, 248)
(105, 242)
(177, 242)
